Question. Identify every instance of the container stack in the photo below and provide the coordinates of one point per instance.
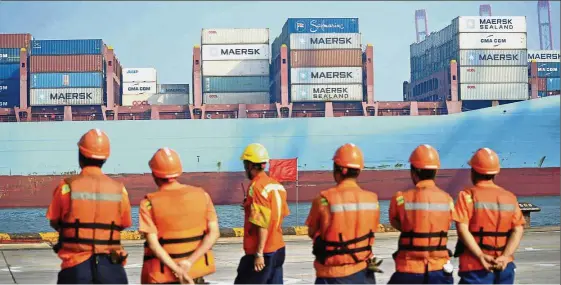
(325, 59)
(235, 66)
(10, 46)
(493, 58)
(66, 72)
(548, 62)
(139, 85)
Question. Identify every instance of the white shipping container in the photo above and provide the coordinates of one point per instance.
(492, 24)
(494, 91)
(155, 99)
(236, 98)
(66, 96)
(544, 55)
(135, 88)
(139, 75)
(235, 52)
(234, 36)
(326, 92)
(326, 75)
(492, 57)
(325, 41)
(493, 74)
(492, 41)
(235, 67)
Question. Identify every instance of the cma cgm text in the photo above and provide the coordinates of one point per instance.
(331, 75)
(495, 24)
(498, 57)
(496, 41)
(239, 51)
(71, 95)
(330, 41)
(134, 88)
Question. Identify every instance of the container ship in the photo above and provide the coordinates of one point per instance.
(302, 96)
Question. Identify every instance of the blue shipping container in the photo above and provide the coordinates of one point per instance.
(66, 47)
(9, 71)
(235, 84)
(66, 80)
(548, 69)
(9, 93)
(320, 25)
(542, 94)
(9, 55)
(553, 84)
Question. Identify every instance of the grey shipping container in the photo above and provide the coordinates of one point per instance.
(494, 91)
(236, 98)
(494, 57)
(493, 74)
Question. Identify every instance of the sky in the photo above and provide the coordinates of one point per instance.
(162, 34)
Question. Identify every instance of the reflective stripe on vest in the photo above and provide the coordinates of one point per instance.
(494, 206)
(353, 207)
(412, 206)
(96, 196)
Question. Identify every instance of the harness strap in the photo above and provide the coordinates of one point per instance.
(413, 235)
(76, 225)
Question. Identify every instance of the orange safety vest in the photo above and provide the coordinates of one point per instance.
(350, 235)
(425, 220)
(490, 225)
(180, 216)
(93, 223)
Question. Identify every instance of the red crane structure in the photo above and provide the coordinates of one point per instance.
(544, 22)
(421, 26)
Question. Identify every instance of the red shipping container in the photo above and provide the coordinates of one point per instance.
(66, 63)
(326, 58)
(542, 84)
(15, 40)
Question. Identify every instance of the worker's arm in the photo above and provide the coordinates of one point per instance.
(514, 241)
(126, 217)
(260, 214)
(161, 253)
(59, 205)
(395, 203)
(263, 234)
(468, 239)
(313, 220)
(212, 235)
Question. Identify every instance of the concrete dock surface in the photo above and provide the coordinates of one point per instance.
(537, 260)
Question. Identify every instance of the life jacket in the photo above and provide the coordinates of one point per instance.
(491, 223)
(180, 216)
(425, 221)
(93, 223)
(350, 235)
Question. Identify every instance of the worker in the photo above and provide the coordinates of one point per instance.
(88, 211)
(342, 223)
(423, 216)
(489, 224)
(180, 225)
(265, 208)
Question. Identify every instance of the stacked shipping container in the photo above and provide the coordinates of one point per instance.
(548, 62)
(10, 46)
(493, 52)
(235, 66)
(139, 84)
(66, 72)
(325, 59)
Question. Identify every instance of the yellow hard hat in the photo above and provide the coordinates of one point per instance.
(255, 153)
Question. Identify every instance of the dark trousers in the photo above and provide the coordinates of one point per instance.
(271, 274)
(484, 277)
(360, 277)
(431, 277)
(88, 272)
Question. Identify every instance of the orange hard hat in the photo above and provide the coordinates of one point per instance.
(350, 156)
(485, 161)
(166, 163)
(94, 144)
(425, 157)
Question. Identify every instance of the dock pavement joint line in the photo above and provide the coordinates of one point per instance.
(52, 237)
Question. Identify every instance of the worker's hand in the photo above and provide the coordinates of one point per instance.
(501, 262)
(487, 261)
(184, 278)
(185, 265)
(259, 263)
(374, 265)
